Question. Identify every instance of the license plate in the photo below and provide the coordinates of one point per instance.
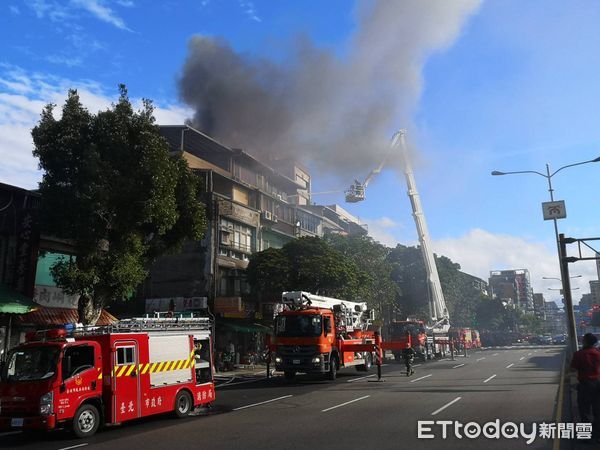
(296, 361)
(16, 422)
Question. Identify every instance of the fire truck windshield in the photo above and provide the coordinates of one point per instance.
(301, 325)
(31, 363)
(399, 329)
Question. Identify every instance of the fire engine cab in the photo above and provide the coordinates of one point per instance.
(321, 335)
(108, 375)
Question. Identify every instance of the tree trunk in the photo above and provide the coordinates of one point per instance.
(89, 310)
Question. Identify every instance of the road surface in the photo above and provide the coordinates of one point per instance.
(518, 384)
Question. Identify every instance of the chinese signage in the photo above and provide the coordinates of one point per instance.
(54, 297)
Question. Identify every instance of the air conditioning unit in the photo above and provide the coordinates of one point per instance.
(267, 215)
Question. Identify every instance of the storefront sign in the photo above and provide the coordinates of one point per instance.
(54, 297)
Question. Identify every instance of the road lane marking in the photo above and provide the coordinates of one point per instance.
(528, 354)
(262, 403)
(495, 354)
(490, 378)
(360, 378)
(521, 358)
(510, 365)
(426, 376)
(459, 365)
(73, 446)
(416, 365)
(445, 406)
(347, 403)
(481, 359)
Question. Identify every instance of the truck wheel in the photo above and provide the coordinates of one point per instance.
(367, 365)
(332, 374)
(86, 421)
(289, 374)
(183, 404)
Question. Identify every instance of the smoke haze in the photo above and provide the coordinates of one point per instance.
(335, 114)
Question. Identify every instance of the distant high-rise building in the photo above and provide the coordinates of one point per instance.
(512, 286)
(595, 291)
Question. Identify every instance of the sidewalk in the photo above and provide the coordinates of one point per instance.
(569, 413)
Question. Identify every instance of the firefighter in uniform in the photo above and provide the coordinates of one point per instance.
(408, 354)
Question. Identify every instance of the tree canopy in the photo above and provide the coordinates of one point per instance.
(305, 264)
(111, 188)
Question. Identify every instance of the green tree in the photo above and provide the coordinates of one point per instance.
(371, 257)
(305, 264)
(110, 187)
(462, 297)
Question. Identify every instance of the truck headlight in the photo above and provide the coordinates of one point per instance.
(46, 407)
(316, 359)
(278, 359)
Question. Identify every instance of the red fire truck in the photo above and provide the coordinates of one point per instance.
(322, 335)
(135, 368)
(411, 332)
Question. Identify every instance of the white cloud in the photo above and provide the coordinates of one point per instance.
(250, 10)
(382, 230)
(102, 12)
(480, 251)
(61, 11)
(22, 98)
(50, 9)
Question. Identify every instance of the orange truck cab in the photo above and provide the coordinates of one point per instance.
(134, 369)
(322, 335)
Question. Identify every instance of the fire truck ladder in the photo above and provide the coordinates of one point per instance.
(151, 324)
(355, 314)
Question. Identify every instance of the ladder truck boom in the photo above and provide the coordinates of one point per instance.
(439, 311)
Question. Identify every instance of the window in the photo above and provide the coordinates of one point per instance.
(125, 356)
(240, 237)
(77, 359)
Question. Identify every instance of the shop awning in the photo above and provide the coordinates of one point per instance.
(245, 327)
(11, 302)
(61, 316)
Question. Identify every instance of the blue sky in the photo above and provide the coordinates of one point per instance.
(507, 85)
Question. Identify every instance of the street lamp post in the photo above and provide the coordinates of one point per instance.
(565, 282)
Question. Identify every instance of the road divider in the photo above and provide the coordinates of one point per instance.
(445, 406)
(262, 403)
(490, 378)
(422, 378)
(346, 403)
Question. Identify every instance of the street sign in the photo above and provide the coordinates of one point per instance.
(554, 210)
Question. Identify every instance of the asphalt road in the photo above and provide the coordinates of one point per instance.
(517, 385)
